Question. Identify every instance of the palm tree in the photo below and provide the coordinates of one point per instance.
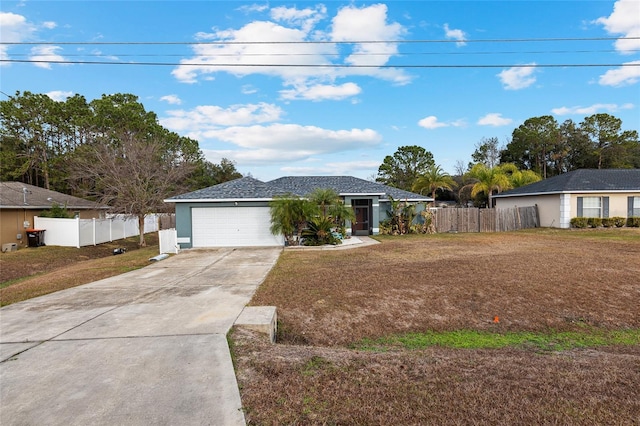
(324, 198)
(289, 215)
(433, 179)
(524, 177)
(488, 180)
(330, 208)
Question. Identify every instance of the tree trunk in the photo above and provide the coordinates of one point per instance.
(141, 242)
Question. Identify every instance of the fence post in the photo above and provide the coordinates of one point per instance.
(77, 232)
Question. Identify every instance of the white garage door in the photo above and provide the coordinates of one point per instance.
(232, 227)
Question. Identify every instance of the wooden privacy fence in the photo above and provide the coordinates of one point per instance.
(485, 220)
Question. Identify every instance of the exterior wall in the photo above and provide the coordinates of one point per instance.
(12, 223)
(548, 207)
(375, 212)
(183, 217)
(383, 212)
(617, 202)
(556, 210)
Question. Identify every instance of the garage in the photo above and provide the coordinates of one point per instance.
(232, 227)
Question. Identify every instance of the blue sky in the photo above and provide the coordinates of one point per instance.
(439, 74)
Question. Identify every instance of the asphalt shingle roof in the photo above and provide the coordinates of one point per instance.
(250, 188)
(582, 180)
(242, 188)
(304, 185)
(18, 195)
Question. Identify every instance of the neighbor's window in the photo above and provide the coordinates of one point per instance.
(591, 206)
(636, 207)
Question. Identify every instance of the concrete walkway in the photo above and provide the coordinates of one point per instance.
(147, 347)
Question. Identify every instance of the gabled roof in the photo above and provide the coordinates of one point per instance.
(582, 181)
(250, 189)
(343, 185)
(18, 195)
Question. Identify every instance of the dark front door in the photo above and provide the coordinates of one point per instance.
(361, 225)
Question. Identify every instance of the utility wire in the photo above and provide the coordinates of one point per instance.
(232, 42)
(236, 65)
(169, 55)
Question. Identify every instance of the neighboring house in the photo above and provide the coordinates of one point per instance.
(237, 213)
(580, 193)
(20, 202)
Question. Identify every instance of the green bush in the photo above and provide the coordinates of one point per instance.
(607, 222)
(594, 222)
(619, 221)
(57, 211)
(579, 222)
(634, 222)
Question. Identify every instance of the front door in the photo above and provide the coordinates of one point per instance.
(361, 225)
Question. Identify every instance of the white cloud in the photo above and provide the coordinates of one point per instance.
(624, 20)
(623, 76)
(455, 35)
(293, 33)
(589, 110)
(210, 117)
(517, 78)
(287, 142)
(431, 122)
(320, 92)
(248, 89)
(253, 8)
(13, 28)
(369, 23)
(48, 54)
(49, 25)
(303, 18)
(171, 99)
(245, 59)
(494, 119)
(59, 95)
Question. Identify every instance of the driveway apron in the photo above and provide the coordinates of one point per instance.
(145, 347)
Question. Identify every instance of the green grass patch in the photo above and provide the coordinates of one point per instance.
(472, 339)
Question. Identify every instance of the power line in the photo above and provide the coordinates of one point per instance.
(168, 55)
(236, 65)
(311, 42)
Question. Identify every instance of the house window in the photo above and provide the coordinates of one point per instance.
(634, 207)
(593, 206)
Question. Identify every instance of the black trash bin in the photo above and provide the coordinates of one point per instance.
(35, 237)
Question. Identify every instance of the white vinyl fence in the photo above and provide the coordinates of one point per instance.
(168, 241)
(86, 232)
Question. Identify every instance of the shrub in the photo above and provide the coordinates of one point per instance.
(594, 222)
(619, 221)
(57, 211)
(607, 222)
(579, 222)
(634, 222)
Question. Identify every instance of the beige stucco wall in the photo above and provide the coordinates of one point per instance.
(617, 202)
(548, 207)
(12, 223)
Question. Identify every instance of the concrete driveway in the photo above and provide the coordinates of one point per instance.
(146, 347)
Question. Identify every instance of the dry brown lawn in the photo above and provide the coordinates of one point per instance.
(35, 271)
(539, 281)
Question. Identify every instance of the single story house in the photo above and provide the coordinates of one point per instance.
(20, 202)
(579, 193)
(236, 213)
